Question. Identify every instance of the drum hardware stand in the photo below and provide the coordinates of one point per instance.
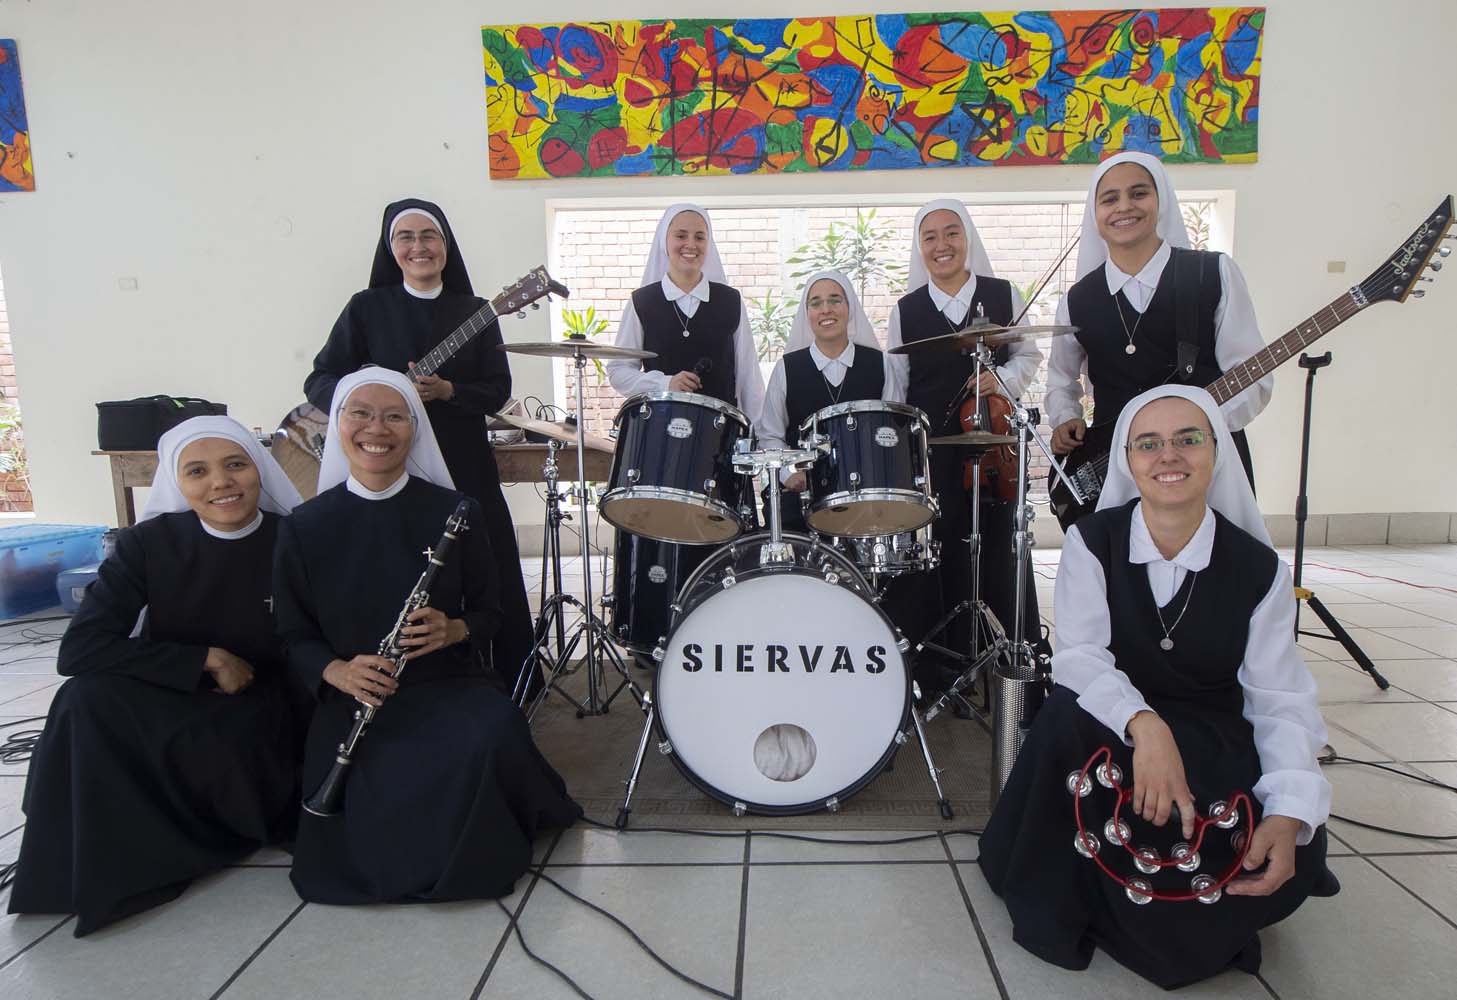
(1338, 634)
(590, 631)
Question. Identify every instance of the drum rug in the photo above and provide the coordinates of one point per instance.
(594, 755)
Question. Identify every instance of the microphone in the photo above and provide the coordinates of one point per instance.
(702, 367)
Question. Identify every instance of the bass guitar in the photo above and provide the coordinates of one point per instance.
(1393, 281)
(298, 444)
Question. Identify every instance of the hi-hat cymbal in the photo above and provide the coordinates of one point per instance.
(570, 348)
(557, 431)
(992, 336)
(974, 439)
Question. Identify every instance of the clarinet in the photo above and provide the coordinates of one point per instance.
(325, 800)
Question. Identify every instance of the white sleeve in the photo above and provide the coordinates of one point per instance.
(1023, 359)
(1066, 363)
(627, 377)
(770, 425)
(900, 362)
(1083, 629)
(1280, 702)
(1237, 337)
(749, 380)
(895, 386)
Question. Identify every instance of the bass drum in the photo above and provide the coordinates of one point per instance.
(782, 688)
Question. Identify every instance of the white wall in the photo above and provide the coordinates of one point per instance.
(233, 159)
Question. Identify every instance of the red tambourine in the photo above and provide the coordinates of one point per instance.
(1184, 856)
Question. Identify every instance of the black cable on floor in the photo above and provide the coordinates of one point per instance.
(1335, 758)
(511, 917)
(19, 747)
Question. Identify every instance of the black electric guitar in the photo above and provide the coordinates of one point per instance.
(298, 444)
(1393, 281)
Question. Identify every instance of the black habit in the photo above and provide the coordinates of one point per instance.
(385, 325)
(1061, 904)
(447, 790)
(146, 776)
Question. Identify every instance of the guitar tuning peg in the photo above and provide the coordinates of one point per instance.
(1419, 293)
(520, 313)
(1435, 265)
(535, 306)
(1445, 251)
(1424, 278)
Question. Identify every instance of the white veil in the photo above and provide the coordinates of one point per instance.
(657, 262)
(276, 494)
(977, 261)
(1092, 251)
(1229, 488)
(425, 460)
(861, 332)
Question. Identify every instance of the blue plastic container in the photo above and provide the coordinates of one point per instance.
(33, 555)
(71, 586)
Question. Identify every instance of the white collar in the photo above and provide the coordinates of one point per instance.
(823, 361)
(1194, 556)
(360, 490)
(941, 300)
(674, 293)
(233, 536)
(1148, 276)
(433, 293)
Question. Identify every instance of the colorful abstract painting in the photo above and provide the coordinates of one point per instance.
(893, 91)
(16, 172)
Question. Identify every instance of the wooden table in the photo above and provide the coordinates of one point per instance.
(129, 469)
(518, 463)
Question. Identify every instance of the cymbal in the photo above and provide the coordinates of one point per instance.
(974, 439)
(556, 430)
(992, 336)
(570, 348)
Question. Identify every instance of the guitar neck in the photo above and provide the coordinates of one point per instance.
(1257, 366)
(446, 349)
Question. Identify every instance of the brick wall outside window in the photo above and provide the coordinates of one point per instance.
(14, 487)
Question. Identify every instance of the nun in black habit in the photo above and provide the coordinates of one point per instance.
(418, 293)
(172, 750)
(1175, 652)
(447, 790)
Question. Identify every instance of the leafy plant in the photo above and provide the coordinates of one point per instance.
(585, 323)
(12, 445)
(1197, 216)
(863, 251)
(771, 319)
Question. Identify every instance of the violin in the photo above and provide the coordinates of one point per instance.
(999, 465)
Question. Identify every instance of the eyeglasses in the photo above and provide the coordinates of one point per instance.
(394, 419)
(833, 301)
(1182, 441)
(406, 238)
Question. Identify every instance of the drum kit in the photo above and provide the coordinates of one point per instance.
(779, 685)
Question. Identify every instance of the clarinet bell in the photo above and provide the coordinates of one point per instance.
(325, 800)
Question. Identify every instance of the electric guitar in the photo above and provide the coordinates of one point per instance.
(298, 444)
(1393, 281)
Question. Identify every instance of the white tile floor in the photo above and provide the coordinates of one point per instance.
(762, 917)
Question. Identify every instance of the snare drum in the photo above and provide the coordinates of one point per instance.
(782, 688)
(875, 479)
(672, 475)
(894, 555)
(646, 576)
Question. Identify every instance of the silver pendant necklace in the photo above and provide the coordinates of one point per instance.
(683, 317)
(1167, 642)
(1130, 334)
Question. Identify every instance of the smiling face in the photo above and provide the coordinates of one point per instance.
(1177, 474)
(219, 482)
(828, 309)
(1126, 208)
(687, 242)
(419, 249)
(942, 238)
(376, 429)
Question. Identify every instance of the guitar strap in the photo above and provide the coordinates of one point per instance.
(1188, 285)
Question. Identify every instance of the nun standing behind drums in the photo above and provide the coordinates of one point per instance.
(951, 284)
(447, 790)
(1127, 301)
(1176, 650)
(832, 357)
(172, 749)
(418, 293)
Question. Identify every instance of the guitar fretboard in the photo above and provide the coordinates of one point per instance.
(445, 350)
(1257, 366)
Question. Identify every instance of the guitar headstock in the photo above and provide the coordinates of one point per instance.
(528, 290)
(1398, 277)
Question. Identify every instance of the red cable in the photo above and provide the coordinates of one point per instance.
(1388, 579)
(1202, 823)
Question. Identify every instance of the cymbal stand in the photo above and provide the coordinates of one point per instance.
(590, 632)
